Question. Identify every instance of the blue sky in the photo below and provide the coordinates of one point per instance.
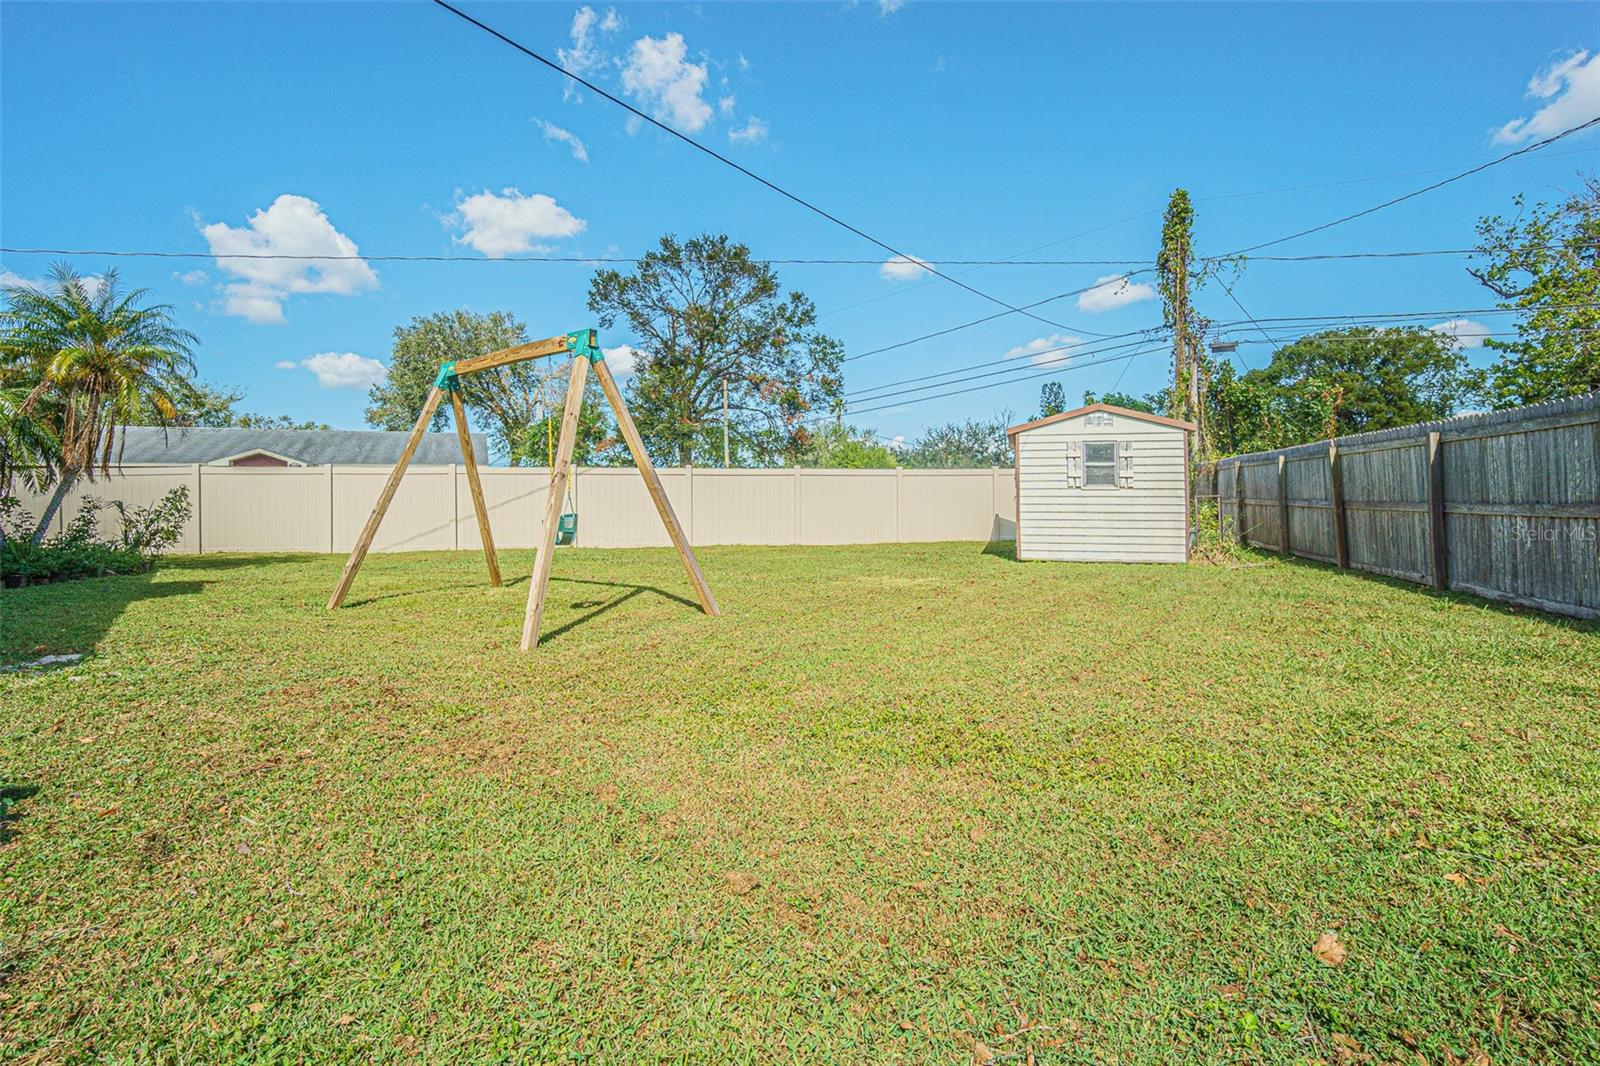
(952, 131)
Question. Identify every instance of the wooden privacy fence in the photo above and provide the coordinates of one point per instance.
(322, 508)
(1504, 505)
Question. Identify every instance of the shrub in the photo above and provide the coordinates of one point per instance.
(75, 552)
(1211, 543)
(152, 530)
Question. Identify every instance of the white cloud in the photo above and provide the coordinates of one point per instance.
(743, 63)
(904, 268)
(1053, 350)
(889, 7)
(17, 281)
(192, 277)
(622, 360)
(292, 225)
(501, 223)
(1468, 334)
(585, 55)
(555, 133)
(754, 131)
(659, 75)
(1111, 292)
(725, 105)
(286, 364)
(1572, 87)
(91, 282)
(344, 370)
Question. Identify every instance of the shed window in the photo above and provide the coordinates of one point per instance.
(1100, 463)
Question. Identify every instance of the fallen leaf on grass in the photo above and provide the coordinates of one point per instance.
(981, 1053)
(346, 1019)
(1457, 878)
(1328, 950)
(740, 883)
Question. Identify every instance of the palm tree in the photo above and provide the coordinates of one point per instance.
(94, 358)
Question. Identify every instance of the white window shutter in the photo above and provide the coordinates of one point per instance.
(1074, 464)
(1125, 463)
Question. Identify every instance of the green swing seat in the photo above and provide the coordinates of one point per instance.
(567, 528)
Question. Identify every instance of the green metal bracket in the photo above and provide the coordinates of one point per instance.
(585, 344)
(447, 379)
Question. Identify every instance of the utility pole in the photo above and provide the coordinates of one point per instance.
(725, 462)
(1174, 270)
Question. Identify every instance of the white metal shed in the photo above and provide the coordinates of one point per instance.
(1102, 484)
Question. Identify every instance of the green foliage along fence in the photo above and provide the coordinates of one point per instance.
(1504, 505)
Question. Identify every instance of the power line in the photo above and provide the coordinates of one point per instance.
(991, 318)
(746, 171)
(126, 253)
(996, 384)
(1016, 364)
(589, 259)
(1010, 364)
(1534, 147)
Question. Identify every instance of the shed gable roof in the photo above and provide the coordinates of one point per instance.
(1144, 416)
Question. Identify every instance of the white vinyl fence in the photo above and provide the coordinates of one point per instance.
(322, 508)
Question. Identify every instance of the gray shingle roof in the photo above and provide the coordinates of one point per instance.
(314, 447)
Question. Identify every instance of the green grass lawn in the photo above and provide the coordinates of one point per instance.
(901, 803)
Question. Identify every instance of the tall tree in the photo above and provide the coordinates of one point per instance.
(200, 404)
(974, 443)
(1154, 403)
(513, 402)
(95, 358)
(1367, 378)
(842, 447)
(1246, 414)
(703, 314)
(1545, 263)
(1052, 399)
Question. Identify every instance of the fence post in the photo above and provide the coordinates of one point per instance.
(199, 510)
(1436, 541)
(1341, 533)
(328, 475)
(899, 503)
(1238, 504)
(688, 492)
(797, 494)
(1283, 505)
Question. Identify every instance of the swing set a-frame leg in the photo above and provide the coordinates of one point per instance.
(370, 530)
(479, 508)
(658, 495)
(546, 547)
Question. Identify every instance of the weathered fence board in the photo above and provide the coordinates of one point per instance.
(1504, 505)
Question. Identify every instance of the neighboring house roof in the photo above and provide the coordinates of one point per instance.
(1127, 412)
(313, 447)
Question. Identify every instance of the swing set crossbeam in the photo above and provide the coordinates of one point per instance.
(584, 347)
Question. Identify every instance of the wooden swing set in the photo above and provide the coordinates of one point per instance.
(584, 348)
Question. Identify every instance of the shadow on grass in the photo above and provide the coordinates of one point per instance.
(600, 607)
(74, 616)
(1417, 588)
(596, 607)
(10, 796)
(1001, 549)
(237, 562)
